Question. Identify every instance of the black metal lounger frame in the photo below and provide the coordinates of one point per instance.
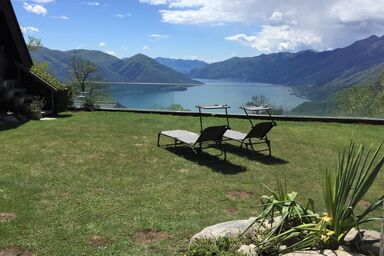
(209, 137)
(258, 131)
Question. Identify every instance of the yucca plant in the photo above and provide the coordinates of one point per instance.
(356, 171)
(342, 190)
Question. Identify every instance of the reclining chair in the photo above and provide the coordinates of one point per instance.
(258, 132)
(209, 137)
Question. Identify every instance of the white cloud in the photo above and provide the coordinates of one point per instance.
(154, 2)
(35, 8)
(92, 3)
(145, 47)
(158, 36)
(278, 19)
(102, 44)
(193, 57)
(282, 24)
(26, 30)
(219, 24)
(43, 1)
(358, 10)
(278, 38)
(82, 46)
(110, 53)
(59, 17)
(119, 15)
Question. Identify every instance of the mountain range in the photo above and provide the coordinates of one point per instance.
(181, 65)
(138, 68)
(314, 74)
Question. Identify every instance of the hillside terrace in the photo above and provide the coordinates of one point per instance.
(95, 183)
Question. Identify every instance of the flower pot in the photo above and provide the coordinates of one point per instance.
(36, 115)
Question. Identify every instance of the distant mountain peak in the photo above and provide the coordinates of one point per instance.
(181, 65)
(138, 68)
(374, 36)
(140, 55)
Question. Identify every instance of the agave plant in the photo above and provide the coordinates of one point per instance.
(283, 204)
(291, 213)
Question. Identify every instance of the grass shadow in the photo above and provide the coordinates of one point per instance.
(254, 155)
(9, 125)
(215, 163)
(5, 127)
(60, 116)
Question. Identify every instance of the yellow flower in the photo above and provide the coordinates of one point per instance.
(327, 219)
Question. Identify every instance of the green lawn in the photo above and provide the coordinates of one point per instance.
(97, 184)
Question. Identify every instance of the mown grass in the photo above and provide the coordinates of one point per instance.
(100, 174)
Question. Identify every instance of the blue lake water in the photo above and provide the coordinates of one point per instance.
(235, 94)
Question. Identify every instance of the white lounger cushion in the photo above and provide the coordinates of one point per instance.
(234, 135)
(182, 135)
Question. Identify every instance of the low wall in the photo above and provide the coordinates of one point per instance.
(348, 120)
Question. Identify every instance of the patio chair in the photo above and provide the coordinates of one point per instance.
(258, 132)
(210, 137)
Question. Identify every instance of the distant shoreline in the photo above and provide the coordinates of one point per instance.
(146, 83)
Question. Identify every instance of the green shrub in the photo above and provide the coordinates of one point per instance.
(177, 107)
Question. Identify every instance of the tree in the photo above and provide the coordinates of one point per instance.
(259, 100)
(263, 101)
(34, 43)
(82, 71)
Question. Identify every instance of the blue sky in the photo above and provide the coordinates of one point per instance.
(210, 30)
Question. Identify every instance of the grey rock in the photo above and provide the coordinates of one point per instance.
(248, 250)
(344, 248)
(229, 229)
(323, 253)
(234, 228)
(352, 235)
(365, 241)
(371, 235)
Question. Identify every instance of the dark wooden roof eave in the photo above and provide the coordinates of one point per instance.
(17, 35)
(36, 77)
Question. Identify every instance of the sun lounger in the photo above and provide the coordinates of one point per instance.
(209, 137)
(257, 135)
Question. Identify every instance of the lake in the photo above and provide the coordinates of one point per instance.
(235, 94)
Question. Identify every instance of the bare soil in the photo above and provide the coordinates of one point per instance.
(7, 216)
(364, 204)
(150, 236)
(231, 210)
(15, 251)
(97, 241)
(238, 195)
